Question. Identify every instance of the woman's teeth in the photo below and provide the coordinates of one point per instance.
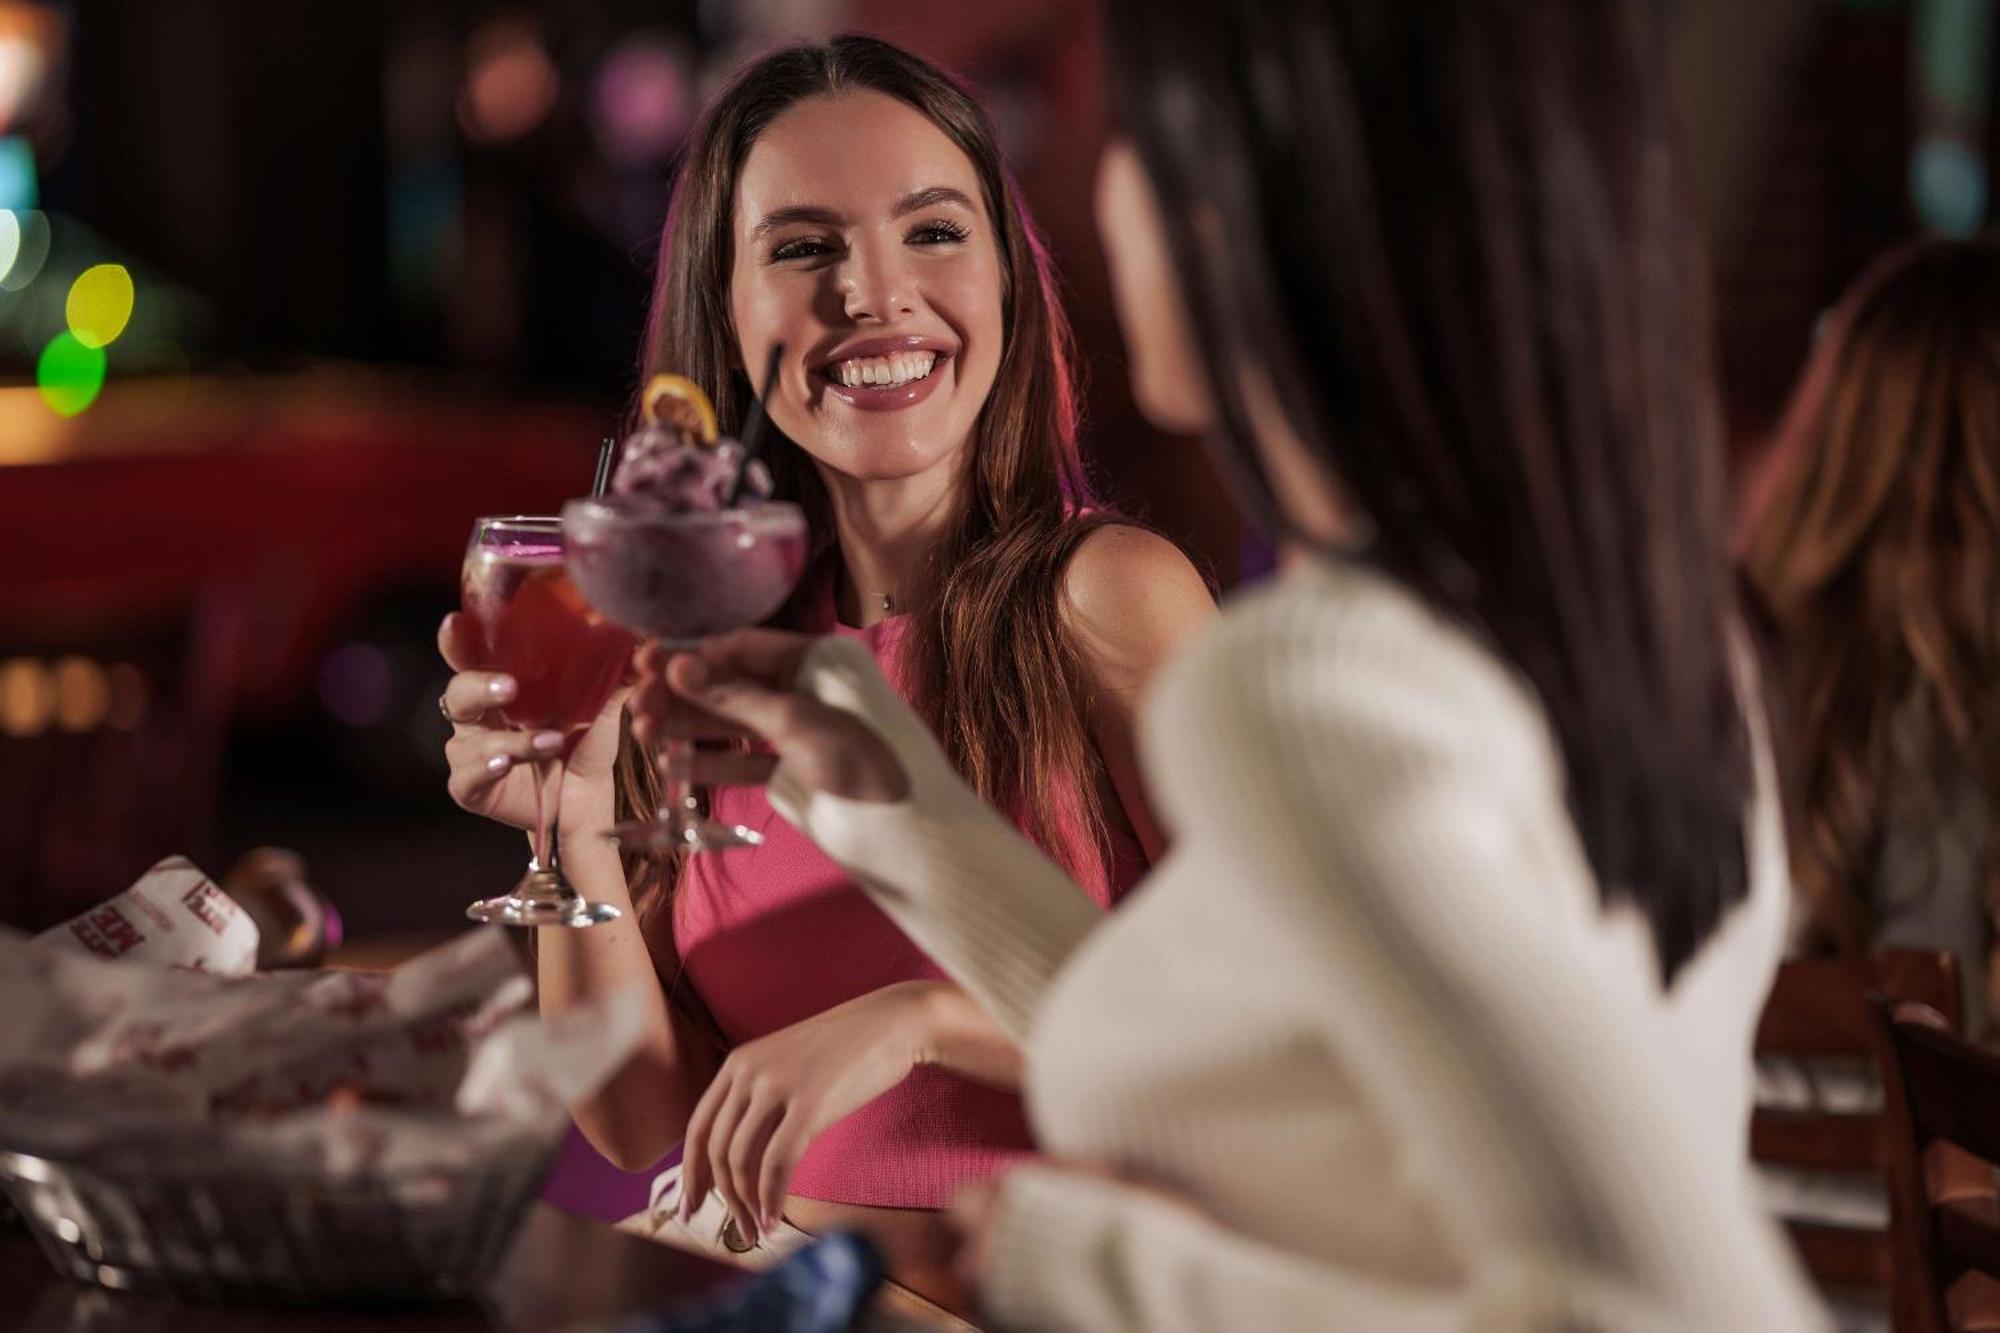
(882, 371)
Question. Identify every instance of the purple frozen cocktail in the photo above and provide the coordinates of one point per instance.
(662, 555)
(686, 545)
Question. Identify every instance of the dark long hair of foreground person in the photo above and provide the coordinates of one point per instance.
(1506, 368)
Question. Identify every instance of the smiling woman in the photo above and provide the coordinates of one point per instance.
(886, 267)
(877, 352)
(846, 203)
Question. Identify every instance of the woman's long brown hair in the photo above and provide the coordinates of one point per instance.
(1878, 560)
(988, 659)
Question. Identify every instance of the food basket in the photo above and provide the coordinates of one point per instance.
(430, 1232)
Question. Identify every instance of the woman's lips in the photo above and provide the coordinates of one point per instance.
(886, 398)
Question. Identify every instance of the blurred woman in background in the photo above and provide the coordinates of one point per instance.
(1877, 558)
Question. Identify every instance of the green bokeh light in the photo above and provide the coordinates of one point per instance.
(69, 374)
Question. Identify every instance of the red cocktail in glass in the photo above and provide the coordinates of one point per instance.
(566, 658)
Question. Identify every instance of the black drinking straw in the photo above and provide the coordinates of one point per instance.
(754, 423)
(601, 481)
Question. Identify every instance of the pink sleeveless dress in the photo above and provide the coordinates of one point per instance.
(773, 935)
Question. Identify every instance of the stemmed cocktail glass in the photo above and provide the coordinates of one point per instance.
(566, 659)
(681, 576)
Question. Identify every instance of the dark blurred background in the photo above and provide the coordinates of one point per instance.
(290, 292)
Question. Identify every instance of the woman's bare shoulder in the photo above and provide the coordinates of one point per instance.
(1133, 596)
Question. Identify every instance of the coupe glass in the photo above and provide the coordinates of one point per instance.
(566, 659)
(681, 577)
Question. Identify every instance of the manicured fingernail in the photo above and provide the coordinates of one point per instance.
(499, 763)
(501, 687)
(547, 742)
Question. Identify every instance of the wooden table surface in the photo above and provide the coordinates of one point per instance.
(562, 1272)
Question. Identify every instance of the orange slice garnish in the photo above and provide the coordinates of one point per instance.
(677, 402)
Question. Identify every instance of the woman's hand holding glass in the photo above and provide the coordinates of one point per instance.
(738, 687)
(492, 765)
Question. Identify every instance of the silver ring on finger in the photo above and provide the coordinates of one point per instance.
(444, 710)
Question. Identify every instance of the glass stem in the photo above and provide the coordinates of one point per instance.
(677, 790)
(548, 801)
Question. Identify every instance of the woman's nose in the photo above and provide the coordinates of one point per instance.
(877, 287)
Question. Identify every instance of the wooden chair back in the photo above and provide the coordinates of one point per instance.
(1819, 1011)
(1942, 1113)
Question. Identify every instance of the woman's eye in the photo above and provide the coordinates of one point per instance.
(805, 247)
(938, 233)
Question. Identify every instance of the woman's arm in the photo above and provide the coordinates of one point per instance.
(1134, 600)
(960, 880)
(1392, 806)
(850, 765)
(959, 1037)
(642, 1112)
(637, 1117)
(775, 1095)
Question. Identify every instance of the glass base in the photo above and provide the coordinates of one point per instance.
(542, 898)
(693, 833)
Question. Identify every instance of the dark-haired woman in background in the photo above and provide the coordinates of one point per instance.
(1439, 1015)
(1878, 559)
(847, 202)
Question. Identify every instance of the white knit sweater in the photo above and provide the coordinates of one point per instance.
(1367, 1016)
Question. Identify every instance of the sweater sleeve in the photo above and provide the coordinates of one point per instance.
(1403, 833)
(980, 899)
(1167, 1269)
